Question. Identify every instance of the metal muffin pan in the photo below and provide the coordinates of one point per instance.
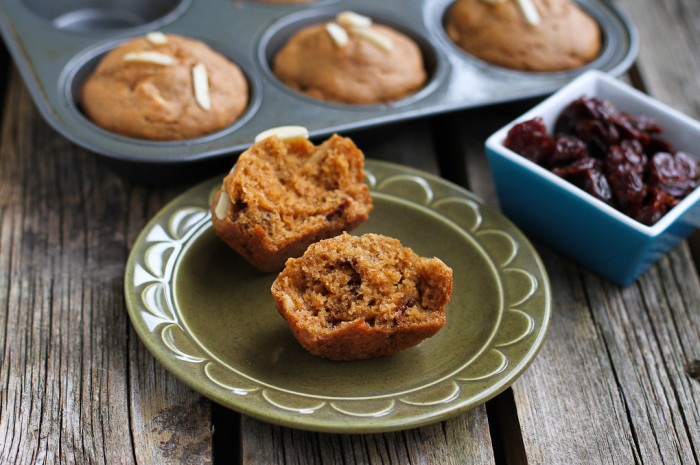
(57, 44)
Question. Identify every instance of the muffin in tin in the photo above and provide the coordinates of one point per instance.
(351, 60)
(527, 35)
(164, 87)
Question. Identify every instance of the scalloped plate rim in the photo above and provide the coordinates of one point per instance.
(423, 416)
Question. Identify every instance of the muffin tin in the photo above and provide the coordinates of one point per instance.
(56, 45)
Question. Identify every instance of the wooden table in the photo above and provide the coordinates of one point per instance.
(617, 381)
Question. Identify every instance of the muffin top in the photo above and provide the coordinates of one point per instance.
(351, 60)
(164, 87)
(530, 35)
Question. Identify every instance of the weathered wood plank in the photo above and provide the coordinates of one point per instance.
(610, 385)
(461, 440)
(668, 62)
(77, 385)
(669, 38)
(552, 404)
(52, 397)
(668, 67)
(464, 439)
(171, 423)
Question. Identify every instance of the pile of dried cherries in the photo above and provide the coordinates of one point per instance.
(614, 156)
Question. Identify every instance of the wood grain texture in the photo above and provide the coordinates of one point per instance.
(617, 381)
(461, 440)
(545, 396)
(668, 64)
(77, 385)
(611, 384)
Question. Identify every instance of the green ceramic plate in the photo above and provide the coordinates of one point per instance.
(208, 316)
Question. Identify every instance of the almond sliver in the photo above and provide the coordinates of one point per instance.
(374, 37)
(288, 303)
(350, 19)
(338, 34)
(288, 133)
(200, 81)
(529, 11)
(157, 38)
(222, 206)
(150, 57)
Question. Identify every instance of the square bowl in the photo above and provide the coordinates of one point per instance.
(575, 222)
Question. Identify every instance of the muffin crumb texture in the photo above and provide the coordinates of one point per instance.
(352, 298)
(283, 195)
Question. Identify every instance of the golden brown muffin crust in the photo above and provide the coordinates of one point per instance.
(153, 101)
(498, 32)
(358, 73)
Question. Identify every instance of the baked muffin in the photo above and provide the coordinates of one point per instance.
(286, 193)
(529, 35)
(352, 298)
(351, 60)
(164, 87)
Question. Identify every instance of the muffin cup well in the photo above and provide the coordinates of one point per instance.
(104, 15)
(609, 51)
(78, 71)
(278, 34)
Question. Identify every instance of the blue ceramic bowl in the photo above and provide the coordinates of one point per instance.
(573, 221)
